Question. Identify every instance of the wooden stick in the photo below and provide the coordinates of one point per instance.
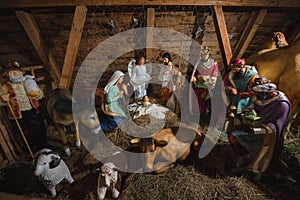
(18, 124)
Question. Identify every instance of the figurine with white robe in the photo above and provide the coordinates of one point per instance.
(139, 74)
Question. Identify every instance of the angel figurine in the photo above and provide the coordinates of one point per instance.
(139, 73)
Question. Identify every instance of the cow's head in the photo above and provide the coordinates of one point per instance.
(148, 144)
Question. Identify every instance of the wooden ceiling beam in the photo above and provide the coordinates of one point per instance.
(61, 3)
(222, 34)
(33, 32)
(294, 33)
(73, 46)
(255, 20)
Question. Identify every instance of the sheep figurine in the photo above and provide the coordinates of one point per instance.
(51, 168)
(31, 86)
(109, 178)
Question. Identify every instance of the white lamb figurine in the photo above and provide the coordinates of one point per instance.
(109, 178)
(52, 169)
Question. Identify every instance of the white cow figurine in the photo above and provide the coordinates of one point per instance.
(109, 178)
(51, 168)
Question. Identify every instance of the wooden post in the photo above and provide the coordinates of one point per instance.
(221, 29)
(73, 46)
(149, 33)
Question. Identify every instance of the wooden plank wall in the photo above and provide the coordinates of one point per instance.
(8, 151)
(55, 27)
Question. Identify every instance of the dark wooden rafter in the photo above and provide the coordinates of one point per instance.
(149, 34)
(61, 3)
(33, 32)
(73, 46)
(295, 33)
(255, 20)
(295, 36)
(222, 34)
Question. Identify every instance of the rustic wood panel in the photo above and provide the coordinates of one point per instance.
(55, 24)
(55, 29)
(7, 140)
(3, 162)
(54, 3)
(18, 197)
(14, 43)
(249, 31)
(29, 24)
(5, 145)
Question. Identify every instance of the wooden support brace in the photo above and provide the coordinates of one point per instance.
(73, 46)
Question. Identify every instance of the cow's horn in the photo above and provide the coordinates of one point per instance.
(135, 140)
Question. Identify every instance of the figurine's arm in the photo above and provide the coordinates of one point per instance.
(113, 95)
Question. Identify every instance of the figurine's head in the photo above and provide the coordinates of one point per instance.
(238, 67)
(166, 58)
(115, 79)
(141, 60)
(205, 53)
(238, 63)
(262, 88)
(14, 72)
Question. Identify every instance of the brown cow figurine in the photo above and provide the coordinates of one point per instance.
(164, 148)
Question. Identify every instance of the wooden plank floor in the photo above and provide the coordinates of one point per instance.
(7, 196)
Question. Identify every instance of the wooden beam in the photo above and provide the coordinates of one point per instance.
(149, 33)
(73, 46)
(35, 67)
(18, 197)
(222, 34)
(255, 20)
(55, 3)
(295, 33)
(33, 32)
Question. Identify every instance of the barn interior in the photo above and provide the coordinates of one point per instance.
(56, 40)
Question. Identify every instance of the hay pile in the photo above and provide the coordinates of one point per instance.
(185, 182)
